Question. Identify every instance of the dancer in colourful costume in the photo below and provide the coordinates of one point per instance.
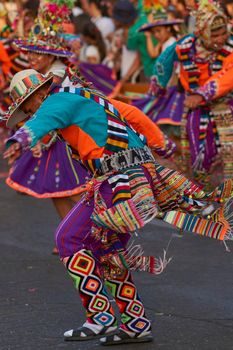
(128, 189)
(55, 174)
(164, 109)
(206, 61)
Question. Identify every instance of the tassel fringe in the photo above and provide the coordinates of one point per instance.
(228, 215)
(136, 261)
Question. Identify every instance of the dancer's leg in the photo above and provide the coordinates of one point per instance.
(100, 317)
(63, 206)
(135, 327)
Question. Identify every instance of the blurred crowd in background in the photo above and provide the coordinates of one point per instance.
(108, 31)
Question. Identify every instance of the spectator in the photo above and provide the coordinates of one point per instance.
(137, 41)
(80, 21)
(163, 29)
(124, 15)
(99, 16)
(228, 8)
(93, 50)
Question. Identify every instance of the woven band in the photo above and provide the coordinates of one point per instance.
(125, 159)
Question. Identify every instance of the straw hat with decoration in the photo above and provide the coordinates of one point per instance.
(23, 85)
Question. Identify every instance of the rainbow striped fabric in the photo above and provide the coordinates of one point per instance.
(22, 88)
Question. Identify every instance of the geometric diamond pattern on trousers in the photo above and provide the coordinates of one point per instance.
(139, 325)
(81, 265)
(85, 273)
(91, 285)
(135, 308)
(98, 303)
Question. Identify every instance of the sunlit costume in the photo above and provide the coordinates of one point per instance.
(128, 189)
(206, 131)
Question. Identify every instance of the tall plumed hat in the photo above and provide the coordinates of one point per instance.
(209, 16)
(47, 34)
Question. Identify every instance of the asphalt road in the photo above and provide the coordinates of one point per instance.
(190, 304)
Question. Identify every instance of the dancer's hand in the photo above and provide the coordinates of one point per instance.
(193, 101)
(36, 150)
(116, 91)
(12, 153)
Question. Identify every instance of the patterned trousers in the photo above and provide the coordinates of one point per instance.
(85, 273)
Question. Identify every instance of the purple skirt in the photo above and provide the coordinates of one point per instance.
(165, 109)
(55, 174)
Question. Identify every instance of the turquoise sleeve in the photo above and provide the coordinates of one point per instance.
(164, 65)
(53, 114)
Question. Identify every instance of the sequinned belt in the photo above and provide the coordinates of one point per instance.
(125, 159)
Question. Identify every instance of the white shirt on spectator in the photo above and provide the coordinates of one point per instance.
(89, 51)
(127, 59)
(105, 25)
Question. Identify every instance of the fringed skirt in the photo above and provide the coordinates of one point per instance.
(55, 174)
(118, 204)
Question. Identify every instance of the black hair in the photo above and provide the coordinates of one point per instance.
(80, 21)
(102, 6)
(90, 30)
(32, 7)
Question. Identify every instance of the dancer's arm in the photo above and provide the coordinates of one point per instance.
(142, 124)
(218, 84)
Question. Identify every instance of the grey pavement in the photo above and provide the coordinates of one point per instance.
(190, 304)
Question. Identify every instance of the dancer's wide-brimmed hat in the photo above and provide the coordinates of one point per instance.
(23, 85)
(160, 19)
(47, 34)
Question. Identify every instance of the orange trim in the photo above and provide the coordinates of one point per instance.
(17, 187)
(168, 121)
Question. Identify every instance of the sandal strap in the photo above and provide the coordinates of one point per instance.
(86, 330)
(86, 333)
(125, 337)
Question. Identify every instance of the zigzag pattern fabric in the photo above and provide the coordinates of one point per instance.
(120, 187)
(86, 276)
(132, 311)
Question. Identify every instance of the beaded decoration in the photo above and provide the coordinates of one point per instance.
(46, 35)
(209, 16)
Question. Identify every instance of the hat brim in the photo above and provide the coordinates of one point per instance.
(26, 46)
(15, 115)
(125, 20)
(161, 23)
